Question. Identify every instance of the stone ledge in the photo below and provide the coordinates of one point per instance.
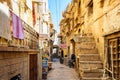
(16, 49)
(91, 62)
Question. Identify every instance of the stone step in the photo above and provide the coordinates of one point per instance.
(93, 70)
(89, 57)
(92, 78)
(93, 73)
(85, 39)
(90, 65)
(96, 78)
(86, 47)
(89, 51)
(87, 43)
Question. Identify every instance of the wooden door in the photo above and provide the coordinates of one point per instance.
(119, 58)
(33, 67)
(113, 57)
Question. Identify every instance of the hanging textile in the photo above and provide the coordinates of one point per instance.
(17, 26)
(4, 22)
(33, 13)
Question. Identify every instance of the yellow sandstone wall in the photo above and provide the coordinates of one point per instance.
(104, 20)
(14, 63)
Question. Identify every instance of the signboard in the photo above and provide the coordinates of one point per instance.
(63, 45)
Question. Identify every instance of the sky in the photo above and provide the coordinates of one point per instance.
(57, 7)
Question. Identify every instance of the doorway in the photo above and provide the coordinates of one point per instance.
(73, 45)
(113, 56)
(33, 67)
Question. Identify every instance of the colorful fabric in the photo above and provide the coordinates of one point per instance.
(33, 13)
(4, 22)
(17, 26)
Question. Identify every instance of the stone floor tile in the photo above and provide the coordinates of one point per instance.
(62, 72)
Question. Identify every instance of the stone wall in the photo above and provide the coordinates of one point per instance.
(104, 20)
(40, 65)
(12, 64)
(99, 17)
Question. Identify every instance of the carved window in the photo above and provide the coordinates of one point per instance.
(101, 3)
(90, 8)
(79, 7)
(79, 31)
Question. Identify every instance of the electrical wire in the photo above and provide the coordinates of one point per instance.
(59, 12)
(56, 12)
(59, 8)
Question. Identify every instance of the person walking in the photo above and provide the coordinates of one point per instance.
(73, 60)
(62, 57)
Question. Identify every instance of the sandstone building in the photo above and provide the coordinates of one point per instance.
(21, 57)
(93, 26)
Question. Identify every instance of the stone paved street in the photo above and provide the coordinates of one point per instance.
(62, 72)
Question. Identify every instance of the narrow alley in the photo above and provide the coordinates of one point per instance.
(62, 72)
(45, 39)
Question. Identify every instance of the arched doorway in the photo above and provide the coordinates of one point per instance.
(55, 51)
(73, 45)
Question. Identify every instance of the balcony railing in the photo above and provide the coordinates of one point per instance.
(30, 41)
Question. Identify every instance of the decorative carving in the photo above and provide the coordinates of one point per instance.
(118, 12)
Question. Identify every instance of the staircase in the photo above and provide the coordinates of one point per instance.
(90, 65)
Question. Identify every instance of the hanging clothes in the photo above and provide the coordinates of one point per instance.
(34, 14)
(17, 26)
(5, 22)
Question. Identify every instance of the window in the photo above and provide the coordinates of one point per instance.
(113, 56)
(101, 3)
(79, 31)
(79, 7)
(114, 61)
(90, 8)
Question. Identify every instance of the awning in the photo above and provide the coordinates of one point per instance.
(63, 45)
